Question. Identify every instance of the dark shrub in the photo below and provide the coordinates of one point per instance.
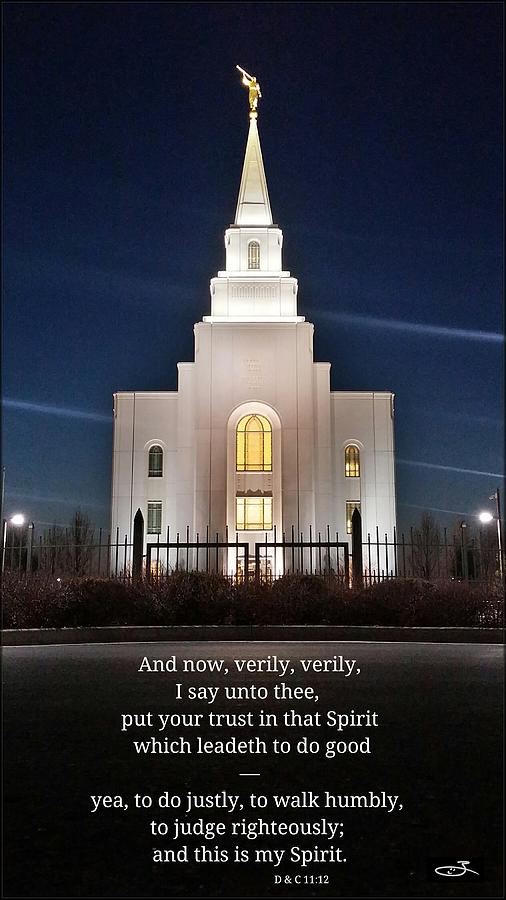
(193, 598)
(197, 598)
(385, 603)
(306, 600)
(455, 603)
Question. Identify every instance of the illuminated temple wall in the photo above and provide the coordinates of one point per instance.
(253, 357)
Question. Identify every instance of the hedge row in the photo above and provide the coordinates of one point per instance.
(192, 598)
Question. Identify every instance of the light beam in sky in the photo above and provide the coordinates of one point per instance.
(25, 406)
(426, 465)
(64, 500)
(424, 330)
(455, 512)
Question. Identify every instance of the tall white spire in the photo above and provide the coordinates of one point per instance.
(253, 205)
(253, 286)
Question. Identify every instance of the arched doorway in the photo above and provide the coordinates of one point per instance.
(254, 507)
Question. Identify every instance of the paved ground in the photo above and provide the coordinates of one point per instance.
(439, 748)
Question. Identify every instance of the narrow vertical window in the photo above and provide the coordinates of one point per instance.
(155, 464)
(352, 461)
(351, 506)
(254, 444)
(155, 517)
(253, 255)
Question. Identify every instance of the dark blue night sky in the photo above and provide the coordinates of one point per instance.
(124, 132)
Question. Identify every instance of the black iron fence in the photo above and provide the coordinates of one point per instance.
(408, 556)
(267, 559)
(102, 555)
(369, 560)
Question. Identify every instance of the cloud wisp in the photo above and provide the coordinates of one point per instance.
(49, 410)
(77, 502)
(418, 328)
(453, 512)
(426, 465)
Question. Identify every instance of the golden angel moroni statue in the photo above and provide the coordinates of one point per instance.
(255, 93)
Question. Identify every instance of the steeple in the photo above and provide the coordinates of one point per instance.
(253, 287)
(253, 206)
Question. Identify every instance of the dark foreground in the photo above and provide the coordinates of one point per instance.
(439, 748)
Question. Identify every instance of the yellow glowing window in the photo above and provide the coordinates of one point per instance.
(254, 513)
(253, 255)
(352, 462)
(254, 444)
(351, 506)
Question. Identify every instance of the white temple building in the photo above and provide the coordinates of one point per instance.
(253, 438)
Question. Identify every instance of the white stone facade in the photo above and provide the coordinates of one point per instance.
(253, 357)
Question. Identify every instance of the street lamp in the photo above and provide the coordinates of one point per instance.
(487, 517)
(17, 520)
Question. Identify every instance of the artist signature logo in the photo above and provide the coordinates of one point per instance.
(455, 871)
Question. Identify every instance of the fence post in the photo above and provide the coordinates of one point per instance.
(356, 548)
(138, 544)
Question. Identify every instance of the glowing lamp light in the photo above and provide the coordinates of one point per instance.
(485, 517)
(18, 519)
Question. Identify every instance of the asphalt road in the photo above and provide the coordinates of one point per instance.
(437, 746)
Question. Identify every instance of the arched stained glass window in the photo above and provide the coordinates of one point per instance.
(155, 464)
(352, 461)
(254, 444)
(253, 255)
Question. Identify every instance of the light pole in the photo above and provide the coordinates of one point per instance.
(3, 491)
(4, 542)
(463, 550)
(486, 517)
(29, 547)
